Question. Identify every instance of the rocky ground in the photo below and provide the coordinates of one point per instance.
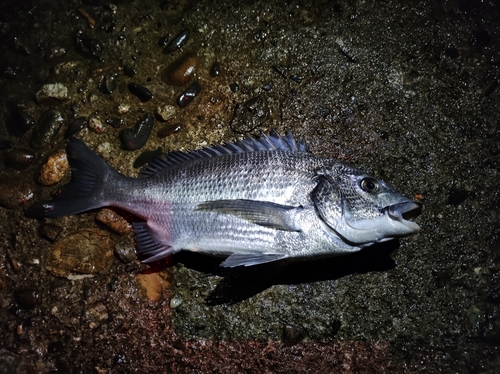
(405, 90)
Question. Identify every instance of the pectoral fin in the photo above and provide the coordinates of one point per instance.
(237, 259)
(263, 213)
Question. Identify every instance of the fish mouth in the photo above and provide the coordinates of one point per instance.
(405, 213)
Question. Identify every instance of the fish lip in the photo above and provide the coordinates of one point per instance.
(404, 213)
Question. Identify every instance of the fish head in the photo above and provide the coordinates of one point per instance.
(363, 210)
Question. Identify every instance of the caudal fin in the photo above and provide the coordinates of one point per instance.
(89, 173)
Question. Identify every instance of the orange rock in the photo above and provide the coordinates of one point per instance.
(113, 221)
(153, 284)
(54, 169)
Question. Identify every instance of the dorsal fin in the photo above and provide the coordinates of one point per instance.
(271, 142)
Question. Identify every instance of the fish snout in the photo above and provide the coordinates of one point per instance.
(405, 213)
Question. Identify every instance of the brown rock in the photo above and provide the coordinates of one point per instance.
(113, 221)
(180, 72)
(54, 169)
(88, 251)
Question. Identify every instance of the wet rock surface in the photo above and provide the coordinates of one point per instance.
(15, 193)
(405, 90)
(250, 115)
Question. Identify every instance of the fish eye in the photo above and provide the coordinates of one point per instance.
(369, 185)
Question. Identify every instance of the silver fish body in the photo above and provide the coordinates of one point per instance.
(253, 201)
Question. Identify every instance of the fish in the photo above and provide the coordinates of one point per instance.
(252, 201)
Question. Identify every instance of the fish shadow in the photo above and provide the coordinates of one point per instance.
(241, 283)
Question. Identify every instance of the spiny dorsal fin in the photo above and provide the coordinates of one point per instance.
(271, 142)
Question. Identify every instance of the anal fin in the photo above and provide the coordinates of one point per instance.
(263, 213)
(245, 259)
(147, 246)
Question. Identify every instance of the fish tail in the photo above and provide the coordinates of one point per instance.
(89, 175)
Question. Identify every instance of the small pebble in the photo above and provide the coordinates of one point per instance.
(135, 137)
(296, 78)
(54, 169)
(96, 125)
(189, 94)
(27, 298)
(129, 71)
(88, 47)
(141, 92)
(165, 112)
(125, 251)
(75, 126)
(51, 94)
(215, 69)
(175, 302)
(113, 221)
(181, 71)
(267, 87)
(177, 42)
(115, 122)
(46, 129)
(19, 159)
(109, 83)
(50, 231)
(168, 130)
(234, 87)
(123, 108)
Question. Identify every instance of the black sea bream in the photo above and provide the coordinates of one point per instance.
(253, 201)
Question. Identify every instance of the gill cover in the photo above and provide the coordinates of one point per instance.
(371, 212)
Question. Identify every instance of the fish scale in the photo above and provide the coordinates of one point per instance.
(254, 201)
